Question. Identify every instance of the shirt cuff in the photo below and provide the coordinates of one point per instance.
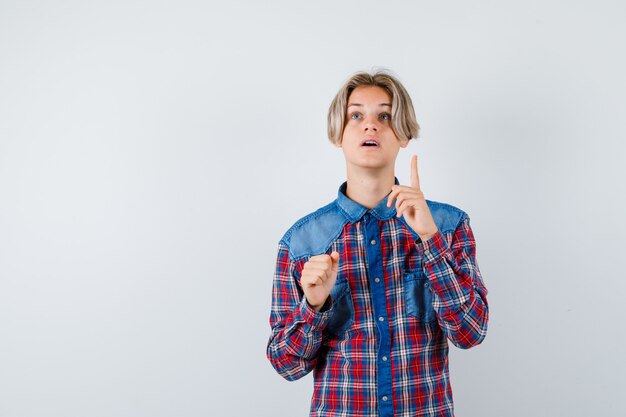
(439, 265)
(433, 249)
(316, 320)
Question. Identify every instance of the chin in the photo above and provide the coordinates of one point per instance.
(368, 163)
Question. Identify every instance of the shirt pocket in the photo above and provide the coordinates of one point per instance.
(418, 296)
(342, 314)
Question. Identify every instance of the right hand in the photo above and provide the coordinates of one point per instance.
(318, 278)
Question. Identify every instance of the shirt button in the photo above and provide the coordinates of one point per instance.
(426, 252)
(384, 398)
(373, 242)
(384, 358)
(426, 284)
(377, 280)
(381, 318)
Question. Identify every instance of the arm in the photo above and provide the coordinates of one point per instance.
(460, 295)
(296, 327)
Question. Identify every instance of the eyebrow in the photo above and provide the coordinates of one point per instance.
(358, 104)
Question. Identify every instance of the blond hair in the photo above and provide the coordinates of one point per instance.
(403, 122)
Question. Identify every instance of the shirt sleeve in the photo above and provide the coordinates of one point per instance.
(296, 328)
(460, 295)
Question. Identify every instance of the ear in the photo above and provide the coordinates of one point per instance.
(404, 142)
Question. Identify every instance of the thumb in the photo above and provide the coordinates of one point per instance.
(335, 258)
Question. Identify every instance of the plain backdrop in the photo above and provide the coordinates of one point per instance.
(152, 154)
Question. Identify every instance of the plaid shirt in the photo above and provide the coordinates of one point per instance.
(379, 346)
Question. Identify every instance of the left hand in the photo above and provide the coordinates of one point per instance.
(410, 203)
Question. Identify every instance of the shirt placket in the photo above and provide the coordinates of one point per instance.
(377, 284)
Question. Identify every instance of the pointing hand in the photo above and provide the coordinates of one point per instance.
(411, 204)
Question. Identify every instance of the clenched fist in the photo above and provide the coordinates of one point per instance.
(318, 277)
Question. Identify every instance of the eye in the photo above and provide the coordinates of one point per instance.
(383, 116)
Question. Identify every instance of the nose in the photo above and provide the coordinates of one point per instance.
(371, 124)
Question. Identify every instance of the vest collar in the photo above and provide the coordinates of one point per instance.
(354, 211)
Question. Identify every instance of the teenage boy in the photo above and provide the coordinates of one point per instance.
(369, 288)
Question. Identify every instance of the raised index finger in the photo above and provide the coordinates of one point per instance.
(415, 179)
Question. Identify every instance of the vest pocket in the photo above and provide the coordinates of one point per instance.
(342, 315)
(418, 297)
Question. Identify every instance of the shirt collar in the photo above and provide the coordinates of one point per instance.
(354, 211)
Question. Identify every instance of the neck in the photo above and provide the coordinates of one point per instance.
(369, 187)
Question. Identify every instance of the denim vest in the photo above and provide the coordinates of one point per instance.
(317, 232)
(314, 233)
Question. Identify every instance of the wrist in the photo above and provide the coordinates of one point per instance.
(321, 307)
(315, 307)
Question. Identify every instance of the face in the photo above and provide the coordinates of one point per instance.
(368, 116)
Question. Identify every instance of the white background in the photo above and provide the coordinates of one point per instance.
(152, 154)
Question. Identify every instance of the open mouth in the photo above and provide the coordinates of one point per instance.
(370, 143)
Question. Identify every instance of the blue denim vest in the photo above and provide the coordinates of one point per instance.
(314, 234)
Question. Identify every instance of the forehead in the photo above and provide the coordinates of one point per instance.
(369, 95)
